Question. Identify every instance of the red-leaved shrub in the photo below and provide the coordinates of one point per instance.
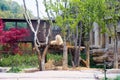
(11, 37)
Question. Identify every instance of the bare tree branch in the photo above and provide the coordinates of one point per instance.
(28, 17)
(38, 16)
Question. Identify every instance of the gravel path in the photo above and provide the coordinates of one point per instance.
(58, 75)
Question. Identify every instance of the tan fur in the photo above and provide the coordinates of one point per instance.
(50, 64)
(58, 40)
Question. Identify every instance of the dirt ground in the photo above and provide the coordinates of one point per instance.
(51, 65)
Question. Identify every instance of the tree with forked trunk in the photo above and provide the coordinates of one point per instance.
(41, 52)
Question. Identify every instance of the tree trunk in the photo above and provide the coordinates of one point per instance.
(65, 55)
(115, 58)
(76, 58)
(87, 54)
(41, 58)
(80, 39)
(115, 50)
(35, 30)
(76, 55)
(42, 64)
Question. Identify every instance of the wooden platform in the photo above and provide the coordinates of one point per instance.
(59, 48)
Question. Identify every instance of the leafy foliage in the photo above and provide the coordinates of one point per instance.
(11, 9)
(68, 13)
(26, 60)
(13, 35)
(54, 56)
(14, 69)
(9, 38)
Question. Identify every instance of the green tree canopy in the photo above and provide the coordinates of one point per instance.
(11, 9)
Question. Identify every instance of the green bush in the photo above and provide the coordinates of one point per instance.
(54, 56)
(15, 69)
(117, 78)
(58, 57)
(26, 60)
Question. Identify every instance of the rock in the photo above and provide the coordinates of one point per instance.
(4, 69)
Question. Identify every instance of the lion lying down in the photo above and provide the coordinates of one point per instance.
(58, 40)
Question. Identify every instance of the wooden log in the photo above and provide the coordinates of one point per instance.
(102, 58)
(83, 62)
(98, 59)
(98, 52)
(73, 47)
